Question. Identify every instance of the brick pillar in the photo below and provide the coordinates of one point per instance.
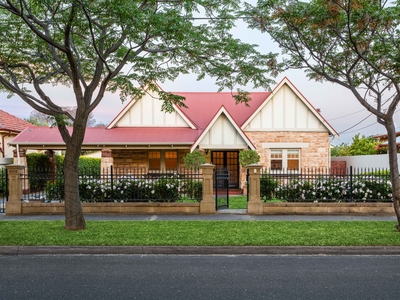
(14, 204)
(254, 206)
(207, 204)
(107, 160)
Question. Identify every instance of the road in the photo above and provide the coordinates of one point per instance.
(199, 277)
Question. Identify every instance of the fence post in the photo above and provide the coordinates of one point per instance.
(14, 204)
(254, 206)
(207, 204)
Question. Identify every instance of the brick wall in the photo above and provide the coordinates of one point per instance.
(129, 158)
(316, 155)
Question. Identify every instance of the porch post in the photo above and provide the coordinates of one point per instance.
(14, 203)
(207, 204)
(107, 160)
(254, 206)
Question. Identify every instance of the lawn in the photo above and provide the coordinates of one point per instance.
(202, 233)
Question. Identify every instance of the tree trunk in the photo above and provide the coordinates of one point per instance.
(74, 219)
(394, 169)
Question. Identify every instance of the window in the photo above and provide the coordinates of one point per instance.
(163, 161)
(155, 160)
(171, 160)
(285, 159)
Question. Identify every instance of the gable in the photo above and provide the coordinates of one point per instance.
(287, 110)
(146, 112)
(223, 133)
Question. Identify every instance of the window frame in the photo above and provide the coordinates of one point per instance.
(285, 158)
(162, 160)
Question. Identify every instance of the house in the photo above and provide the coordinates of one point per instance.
(282, 126)
(383, 141)
(10, 127)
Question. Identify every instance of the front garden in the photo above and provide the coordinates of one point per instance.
(327, 188)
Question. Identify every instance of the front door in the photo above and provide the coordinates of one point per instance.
(227, 160)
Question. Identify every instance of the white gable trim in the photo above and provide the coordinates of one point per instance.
(210, 125)
(287, 82)
(132, 102)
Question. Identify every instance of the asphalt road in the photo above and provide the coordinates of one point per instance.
(199, 277)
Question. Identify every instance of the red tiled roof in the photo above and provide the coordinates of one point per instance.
(12, 123)
(202, 107)
(116, 136)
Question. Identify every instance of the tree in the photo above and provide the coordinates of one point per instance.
(340, 150)
(248, 157)
(117, 45)
(41, 119)
(194, 160)
(353, 43)
(364, 145)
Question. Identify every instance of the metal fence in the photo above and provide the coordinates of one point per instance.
(116, 185)
(3, 189)
(327, 185)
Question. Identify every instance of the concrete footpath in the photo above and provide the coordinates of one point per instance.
(229, 215)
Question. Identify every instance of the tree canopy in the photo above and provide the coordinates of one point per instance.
(119, 46)
(360, 145)
(353, 43)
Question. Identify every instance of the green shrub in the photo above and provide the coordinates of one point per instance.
(38, 165)
(248, 157)
(89, 164)
(267, 187)
(86, 164)
(54, 190)
(194, 160)
(363, 188)
(193, 189)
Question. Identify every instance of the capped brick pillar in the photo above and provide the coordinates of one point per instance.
(106, 160)
(207, 204)
(254, 206)
(14, 204)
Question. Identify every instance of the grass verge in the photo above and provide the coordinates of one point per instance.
(201, 233)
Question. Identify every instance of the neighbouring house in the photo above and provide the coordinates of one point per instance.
(383, 141)
(10, 127)
(282, 126)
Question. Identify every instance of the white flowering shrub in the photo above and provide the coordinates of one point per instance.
(361, 188)
(125, 188)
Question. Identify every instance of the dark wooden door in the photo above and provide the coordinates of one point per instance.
(229, 161)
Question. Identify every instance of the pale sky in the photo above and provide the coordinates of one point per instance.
(338, 106)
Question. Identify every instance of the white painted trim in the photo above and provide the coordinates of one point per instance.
(286, 130)
(228, 116)
(133, 101)
(284, 145)
(301, 97)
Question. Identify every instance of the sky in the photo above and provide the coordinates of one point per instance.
(337, 104)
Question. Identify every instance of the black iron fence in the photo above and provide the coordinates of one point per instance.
(327, 185)
(3, 189)
(117, 185)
